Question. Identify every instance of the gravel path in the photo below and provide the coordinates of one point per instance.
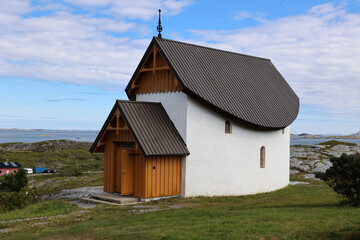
(75, 193)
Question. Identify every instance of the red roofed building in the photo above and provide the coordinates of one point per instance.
(9, 167)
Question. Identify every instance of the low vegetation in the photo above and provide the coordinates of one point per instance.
(14, 182)
(41, 209)
(67, 157)
(332, 143)
(311, 211)
(344, 176)
(75, 165)
(13, 192)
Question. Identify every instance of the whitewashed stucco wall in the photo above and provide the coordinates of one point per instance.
(229, 164)
(175, 104)
(224, 164)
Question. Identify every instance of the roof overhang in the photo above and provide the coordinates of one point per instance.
(151, 127)
(269, 105)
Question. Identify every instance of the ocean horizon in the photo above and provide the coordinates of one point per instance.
(38, 135)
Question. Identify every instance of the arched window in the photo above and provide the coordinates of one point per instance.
(262, 157)
(227, 126)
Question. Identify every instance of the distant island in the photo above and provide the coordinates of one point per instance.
(316, 136)
(294, 136)
(16, 129)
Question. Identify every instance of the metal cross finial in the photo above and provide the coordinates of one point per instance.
(159, 27)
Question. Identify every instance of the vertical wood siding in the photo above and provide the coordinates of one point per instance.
(112, 159)
(161, 81)
(109, 171)
(164, 180)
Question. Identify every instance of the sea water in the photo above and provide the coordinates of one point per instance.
(38, 135)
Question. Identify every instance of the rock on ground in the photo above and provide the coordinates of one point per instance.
(75, 193)
(311, 159)
(297, 183)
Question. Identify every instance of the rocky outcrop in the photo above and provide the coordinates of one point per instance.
(356, 134)
(307, 135)
(306, 160)
(317, 136)
(51, 145)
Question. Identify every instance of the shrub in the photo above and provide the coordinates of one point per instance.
(77, 173)
(14, 182)
(344, 176)
(13, 200)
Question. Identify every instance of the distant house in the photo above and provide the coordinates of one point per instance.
(200, 122)
(9, 167)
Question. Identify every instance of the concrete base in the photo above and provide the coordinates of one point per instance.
(114, 198)
(157, 198)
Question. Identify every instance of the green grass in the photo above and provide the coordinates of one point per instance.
(297, 212)
(332, 143)
(41, 209)
(66, 161)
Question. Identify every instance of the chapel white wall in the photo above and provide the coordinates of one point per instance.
(175, 104)
(229, 164)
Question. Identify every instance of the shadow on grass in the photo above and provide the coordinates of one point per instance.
(340, 204)
(345, 233)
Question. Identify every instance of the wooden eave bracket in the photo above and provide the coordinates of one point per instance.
(133, 86)
(155, 69)
(114, 128)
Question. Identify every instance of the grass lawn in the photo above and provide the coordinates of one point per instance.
(297, 212)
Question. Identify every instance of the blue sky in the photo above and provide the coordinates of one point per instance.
(64, 62)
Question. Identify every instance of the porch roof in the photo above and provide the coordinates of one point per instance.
(153, 130)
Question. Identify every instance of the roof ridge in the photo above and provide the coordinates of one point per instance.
(137, 102)
(211, 48)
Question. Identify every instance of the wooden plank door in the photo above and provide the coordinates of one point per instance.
(128, 170)
(117, 180)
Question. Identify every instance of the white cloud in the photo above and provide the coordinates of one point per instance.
(15, 6)
(66, 46)
(139, 9)
(142, 9)
(176, 6)
(61, 43)
(96, 3)
(257, 16)
(242, 15)
(318, 53)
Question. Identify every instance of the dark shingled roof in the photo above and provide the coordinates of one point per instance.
(151, 127)
(4, 165)
(241, 87)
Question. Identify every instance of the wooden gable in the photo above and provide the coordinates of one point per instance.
(116, 131)
(154, 76)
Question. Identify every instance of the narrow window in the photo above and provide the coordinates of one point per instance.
(283, 131)
(227, 126)
(14, 171)
(262, 157)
